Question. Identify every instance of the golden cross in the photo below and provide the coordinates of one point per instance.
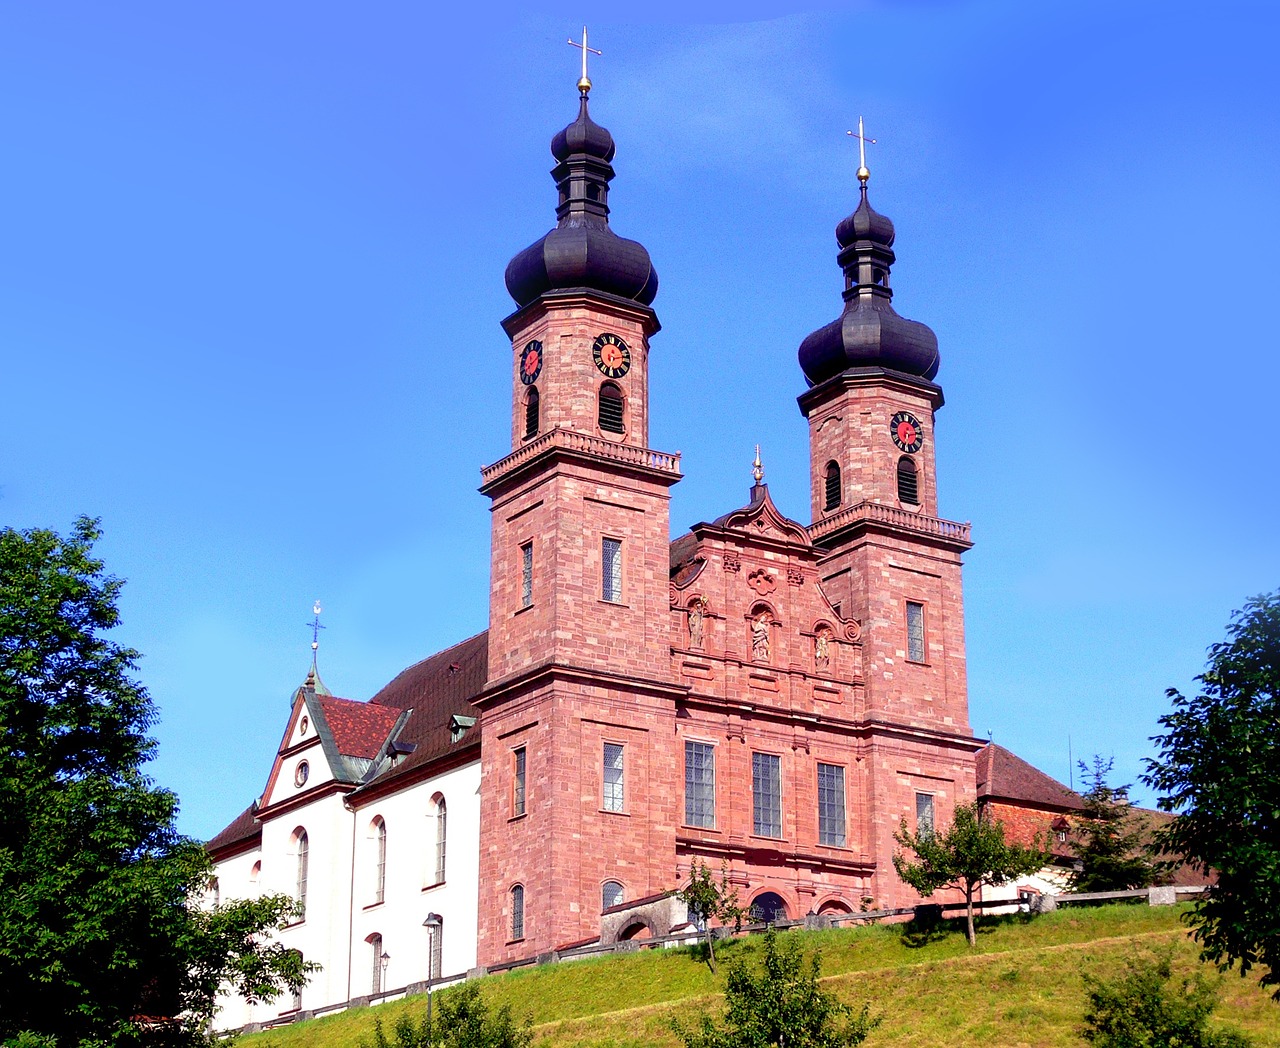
(584, 85)
(863, 173)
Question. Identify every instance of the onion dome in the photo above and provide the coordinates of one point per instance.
(869, 333)
(582, 251)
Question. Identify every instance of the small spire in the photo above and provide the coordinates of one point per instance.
(584, 85)
(315, 635)
(757, 468)
(863, 173)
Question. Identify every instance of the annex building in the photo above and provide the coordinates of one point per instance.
(753, 691)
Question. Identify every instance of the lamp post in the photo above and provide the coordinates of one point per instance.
(382, 981)
(432, 924)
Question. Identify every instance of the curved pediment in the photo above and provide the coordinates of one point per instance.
(762, 517)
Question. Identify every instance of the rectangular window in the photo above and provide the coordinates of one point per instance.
(924, 814)
(831, 822)
(915, 631)
(612, 777)
(700, 784)
(766, 794)
(611, 570)
(517, 791)
(526, 574)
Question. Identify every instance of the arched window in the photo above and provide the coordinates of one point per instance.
(441, 839)
(908, 481)
(610, 411)
(379, 860)
(610, 894)
(303, 851)
(531, 412)
(517, 912)
(768, 908)
(215, 892)
(297, 994)
(832, 482)
(434, 967)
(255, 878)
(378, 961)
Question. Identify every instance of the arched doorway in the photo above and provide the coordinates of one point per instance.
(639, 930)
(834, 908)
(768, 908)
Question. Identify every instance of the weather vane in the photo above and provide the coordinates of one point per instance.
(757, 468)
(584, 85)
(863, 173)
(315, 628)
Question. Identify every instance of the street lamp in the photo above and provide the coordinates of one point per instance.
(385, 959)
(432, 924)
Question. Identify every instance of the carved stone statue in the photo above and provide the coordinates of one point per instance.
(822, 648)
(697, 613)
(760, 638)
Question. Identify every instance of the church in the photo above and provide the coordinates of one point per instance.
(753, 693)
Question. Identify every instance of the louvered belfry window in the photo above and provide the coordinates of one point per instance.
(610, 414)
(908, 481)
(832, 486)
(531, 412)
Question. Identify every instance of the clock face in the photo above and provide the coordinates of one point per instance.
(908, 434)
(531, 362)
(611, 355)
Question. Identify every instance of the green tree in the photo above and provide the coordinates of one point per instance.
(1108, 844)
(971, 853)
(99, 940)
(781, 1006)
(708, 901)
(1140, 1010)
(463, 1020)
(1218, 771)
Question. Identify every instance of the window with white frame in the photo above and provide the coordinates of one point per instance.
(378, 964)
(699, 784)
(302, 851)
(613, 777)
(434, 966)
(611, 570)
(766, 794)
(441, 839)
(831, 817)
(379, 860)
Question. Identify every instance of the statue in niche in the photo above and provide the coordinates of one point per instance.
(697, 616)
(760, 637)
(822, 648)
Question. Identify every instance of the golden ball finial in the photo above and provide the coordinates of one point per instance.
(863, 175)
(584, 85)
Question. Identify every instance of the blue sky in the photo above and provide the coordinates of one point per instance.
(251, 266)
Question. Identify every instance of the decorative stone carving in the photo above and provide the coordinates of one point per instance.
(762, 581)
(731, 562)
(795, 576)
(760, 637)
(822, 648)
(697, 614)
(852, 629)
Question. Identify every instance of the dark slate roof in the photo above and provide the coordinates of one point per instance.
(1003, 776)
(359, 729)
(435, 689)
(242, 829)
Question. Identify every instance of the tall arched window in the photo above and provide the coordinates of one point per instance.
(303, 851)
(379, 860)
(434, 967)
(832, 482)
(517, 912)
(908, 480)
(215, 892)
(610, 894)
(531, 412)
(255, 879)
(441, 839)
(610, 410)
(378, 964)
(297, 994)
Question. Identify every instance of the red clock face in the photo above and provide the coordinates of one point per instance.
(531, 362)
(908, 434)
(611, 355)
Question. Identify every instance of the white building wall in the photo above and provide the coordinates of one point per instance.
(342, 912)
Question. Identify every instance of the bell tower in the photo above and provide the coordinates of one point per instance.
(577, 722)
(890, 561)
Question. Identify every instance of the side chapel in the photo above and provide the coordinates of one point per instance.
(759, 693)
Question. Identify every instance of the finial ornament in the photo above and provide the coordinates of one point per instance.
(863, 173)
(757, 468)
(584, 85)
(315, 629)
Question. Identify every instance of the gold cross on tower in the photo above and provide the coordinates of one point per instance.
(863, 173)
(584, 85)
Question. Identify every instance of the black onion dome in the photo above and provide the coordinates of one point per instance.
(869, 333)
(582, 251)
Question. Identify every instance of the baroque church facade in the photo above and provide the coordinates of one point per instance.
(759, 694)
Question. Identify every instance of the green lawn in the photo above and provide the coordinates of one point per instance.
(1021, 986)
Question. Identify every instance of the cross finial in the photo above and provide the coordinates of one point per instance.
(863, 173)
(584, 85)
(315, 629)
(757, 468)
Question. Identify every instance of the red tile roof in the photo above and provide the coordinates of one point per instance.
(359, 729)
(244, 828)
(1003, 776)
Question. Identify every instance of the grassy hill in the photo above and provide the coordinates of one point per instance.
(1021, 987)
